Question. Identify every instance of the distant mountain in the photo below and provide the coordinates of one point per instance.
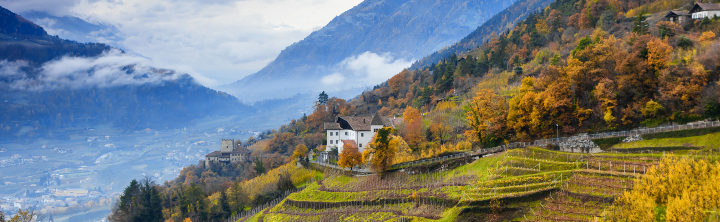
(355, 48)
(21, 39)
(499, 23)
(50, 86)
(13, 24)
(74, 28)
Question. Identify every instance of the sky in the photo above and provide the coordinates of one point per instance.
(215, 41)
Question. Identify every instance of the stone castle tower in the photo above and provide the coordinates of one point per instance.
(227, 145)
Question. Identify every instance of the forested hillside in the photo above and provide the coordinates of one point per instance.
(499, 23)
(577, 66)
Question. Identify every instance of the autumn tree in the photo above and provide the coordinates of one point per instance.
(412, 127)
(445, 118)
(350, 156)
(659, 54)
(523, 110)
(20, 216)
(652, 109)
(604, 93)
(300, 152)
(686, 187)
(707, 36)
(486, 115)
(381, 151)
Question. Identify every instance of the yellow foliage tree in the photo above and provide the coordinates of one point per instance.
(707, 36)
(350, 156)
(381, 151)
(652, 109)
(300, 152)
(687, 187)
(486, 116)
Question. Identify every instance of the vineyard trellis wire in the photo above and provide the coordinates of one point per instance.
(247, 214)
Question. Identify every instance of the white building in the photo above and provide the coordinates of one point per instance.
(357, 129)
(705, 10)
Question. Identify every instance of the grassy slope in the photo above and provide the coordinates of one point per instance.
(511, 174)
(492, 177)
(707, 141)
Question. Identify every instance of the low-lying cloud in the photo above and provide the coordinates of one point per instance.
(113, 68)
(362, 70)
(216, 41)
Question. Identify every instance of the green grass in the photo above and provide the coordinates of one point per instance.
(606, 143)
(682, 133)
(478, 168)
(312, 193)
(708, 140)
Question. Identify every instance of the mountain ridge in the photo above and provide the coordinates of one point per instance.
(372, 26)
(50, 85)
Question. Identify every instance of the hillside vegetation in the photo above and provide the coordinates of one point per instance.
(578, 66)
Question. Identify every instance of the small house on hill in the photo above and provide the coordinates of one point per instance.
(705, 10)
(357, 130)
(677, 16)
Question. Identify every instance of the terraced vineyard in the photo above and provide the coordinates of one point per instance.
(532, 184)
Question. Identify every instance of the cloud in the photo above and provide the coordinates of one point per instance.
(368, 68)
(217, 41)
(333, 79)
(111, 69)
(56, 7)
(13, 69)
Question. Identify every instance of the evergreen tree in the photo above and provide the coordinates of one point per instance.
(139, 202)
(224, 205)
(323, 98)
(641, 26)
(258, 165)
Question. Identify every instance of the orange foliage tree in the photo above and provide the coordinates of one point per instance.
(412, 130)
(350, 156)
(381, 151)
(486, 116)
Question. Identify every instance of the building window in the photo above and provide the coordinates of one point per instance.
(361, 145)
(337, 142)
(346, 133)
(331, 142)
(362, 135)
